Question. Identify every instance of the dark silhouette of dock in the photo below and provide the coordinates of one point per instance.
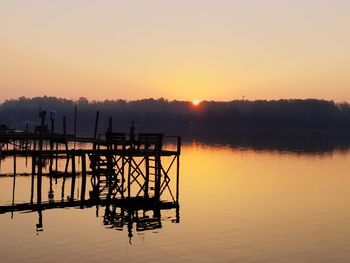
(126, 172)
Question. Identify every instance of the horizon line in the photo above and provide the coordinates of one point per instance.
(243, 98)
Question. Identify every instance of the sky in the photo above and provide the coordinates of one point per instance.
(183, 49)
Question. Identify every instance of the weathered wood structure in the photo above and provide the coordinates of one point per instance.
(125, 173)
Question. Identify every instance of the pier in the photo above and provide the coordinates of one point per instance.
(127, 173)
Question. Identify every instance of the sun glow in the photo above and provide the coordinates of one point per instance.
(196, 102)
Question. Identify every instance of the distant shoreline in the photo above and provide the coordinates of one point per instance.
(282, 124)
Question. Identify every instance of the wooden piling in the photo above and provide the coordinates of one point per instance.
(52, 132)
(73, 177)
(40, 164)
(95, 129)
(83, 177)
(50, 194)
(65, 132)
(64, 177)
(129, 176)
(56, 159)
(178, 169)
(32, 179)
(14, 182)
(39, 183)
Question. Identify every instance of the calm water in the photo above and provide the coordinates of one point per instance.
(236, 205)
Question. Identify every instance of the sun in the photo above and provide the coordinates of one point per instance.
(196, 102)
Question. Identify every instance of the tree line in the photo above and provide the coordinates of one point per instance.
(260, 114)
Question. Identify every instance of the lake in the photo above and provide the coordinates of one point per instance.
(237, 204)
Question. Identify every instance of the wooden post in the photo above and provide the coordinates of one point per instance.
(14, 164)
(32, 181)
(129, 176)
(50, 194)
(110, 160)
(40, 164)
(178, 169)
(67, 164)
(51, 164)
(83, 177)
(65, 132)
(179, 145)
(14, 182)
(56, 159)
(95, 162)
(52, 132)
(177, 220)
(64, 177)
(52, 117)
(39, 183)
(39, 225)
(73, 177)
(63, 187)
(75, 124)
(96, 127)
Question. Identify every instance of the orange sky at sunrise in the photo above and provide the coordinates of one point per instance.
(195, 49)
